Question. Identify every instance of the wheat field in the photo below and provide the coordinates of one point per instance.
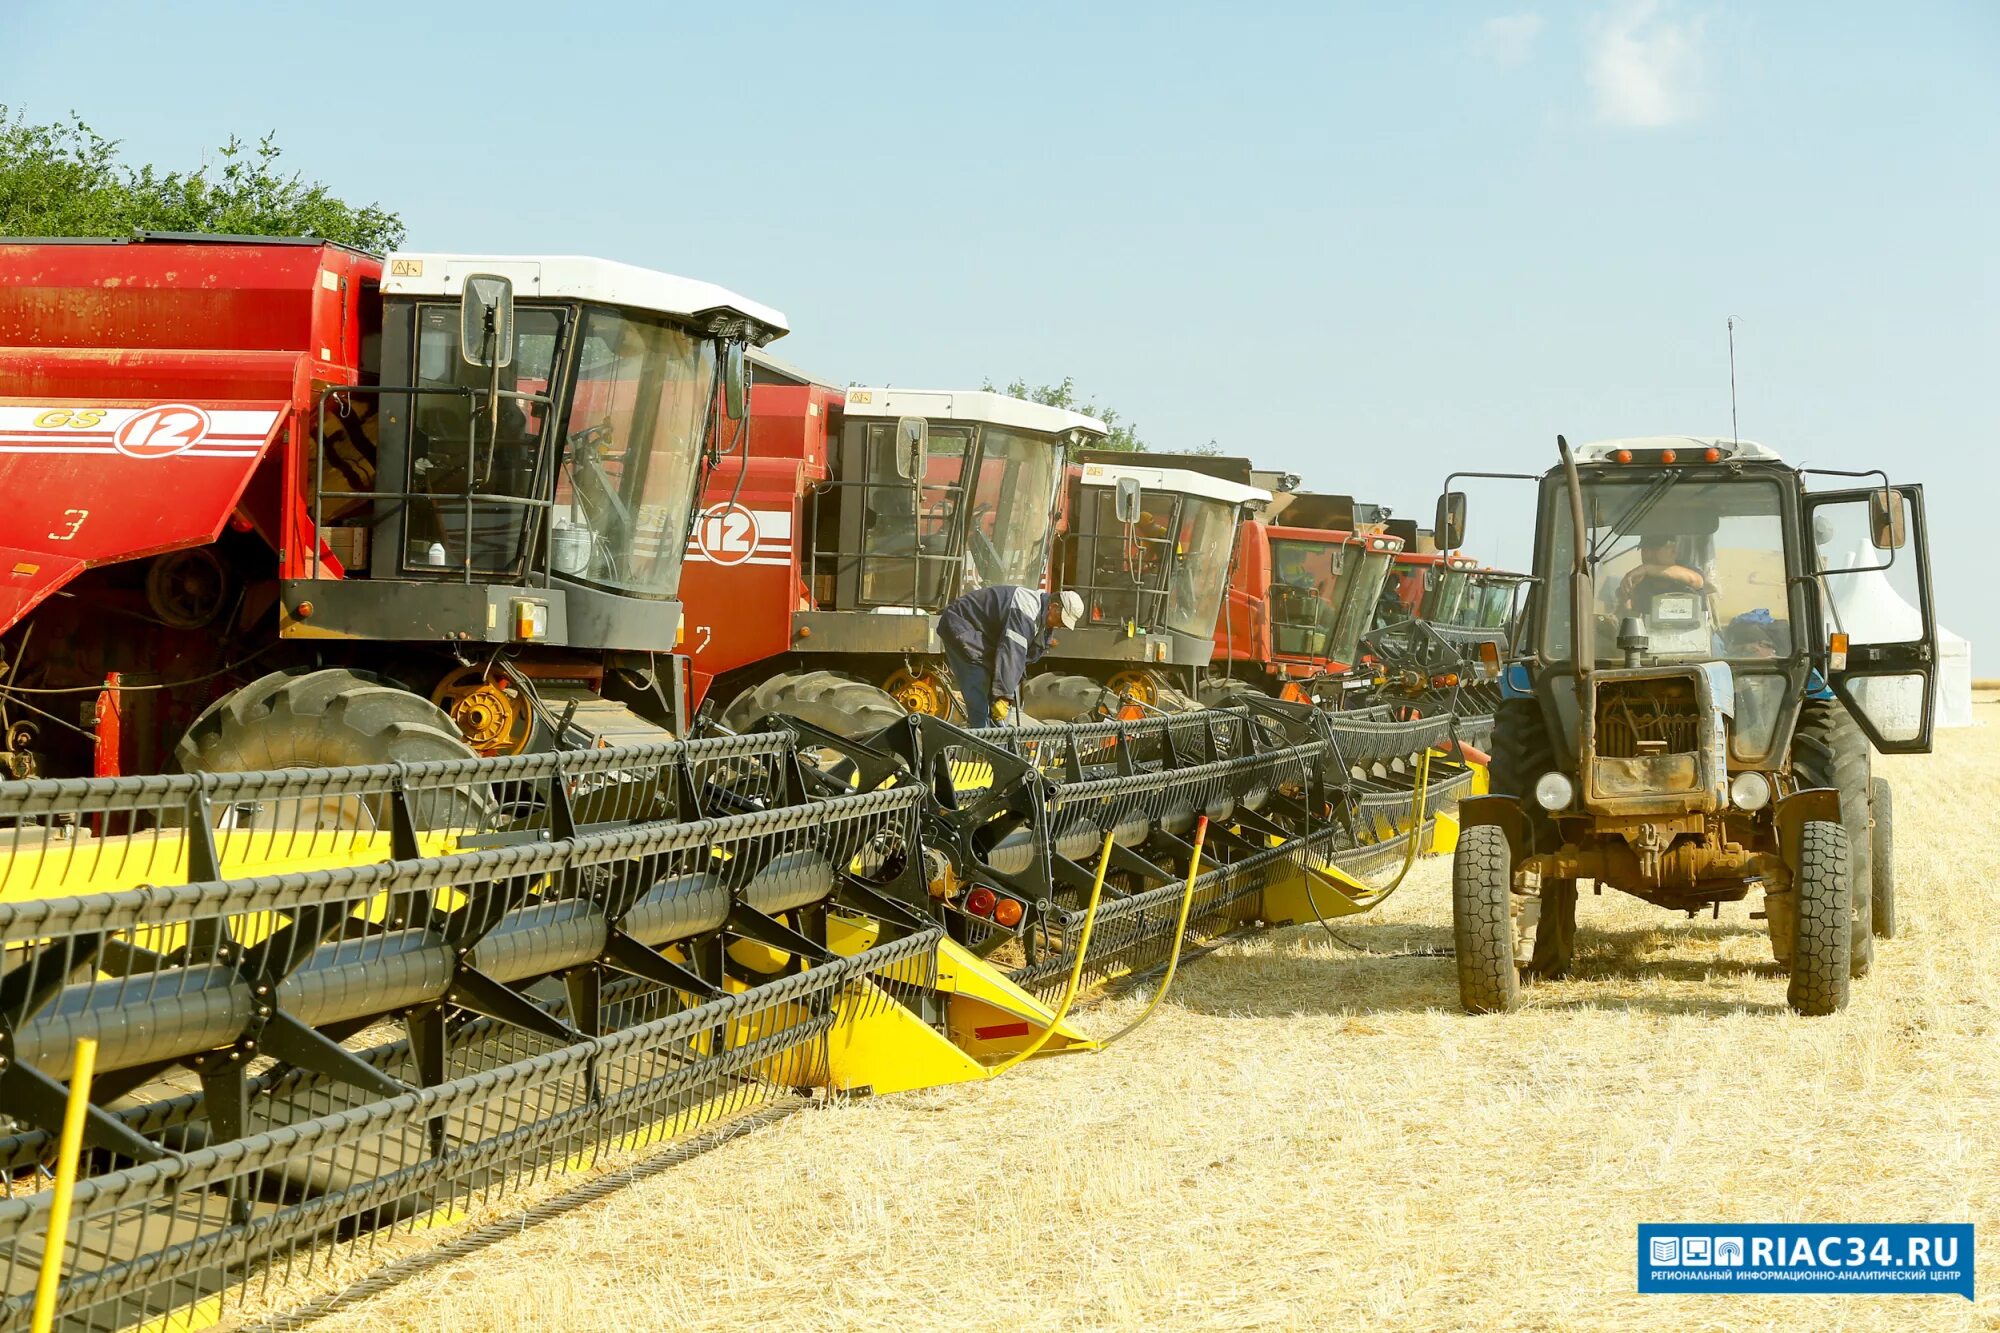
(1311, 1135)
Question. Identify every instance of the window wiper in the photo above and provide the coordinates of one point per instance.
(1637, 511)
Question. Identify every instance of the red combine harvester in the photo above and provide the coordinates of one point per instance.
(843, 525)
(1302, 591)
(282, 503)
(1147, 545)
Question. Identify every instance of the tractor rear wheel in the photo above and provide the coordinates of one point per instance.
(1221, 691)
(1882, 858)
(831, 700)
(1063, 698)
(1829, 750)
(1821, 950)
(1482, 921)
(327, 719)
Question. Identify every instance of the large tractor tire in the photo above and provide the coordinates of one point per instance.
(831, 700)
(1062, 698)
(1882, 858)
(1830, 750)
(1822, 953)
(327, 719)
(1221, 691)
(1482, 921)
(1522, 752)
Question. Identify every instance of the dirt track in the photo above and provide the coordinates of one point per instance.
(1307, 1135)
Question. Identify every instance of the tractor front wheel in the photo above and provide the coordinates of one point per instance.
(1821, 949)
(830, 700)
(1482, 921)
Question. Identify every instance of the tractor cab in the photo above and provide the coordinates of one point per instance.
(1302, 588)
(1148, 550)
(524, 464)
(935, 493)
(1711, 650)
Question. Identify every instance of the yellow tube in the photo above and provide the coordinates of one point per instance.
(1075, 968)
(1417, 807)
(1180, 936)
(68, 1148)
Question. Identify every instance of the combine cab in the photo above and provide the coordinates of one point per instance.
(1303, 587)
(1148, 549)
(1704, 674)
(285, 504)
(849, 519)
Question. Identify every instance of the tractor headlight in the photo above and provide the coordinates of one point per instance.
(1553, 791)
(1750, 791)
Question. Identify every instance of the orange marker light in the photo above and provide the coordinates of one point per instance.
(1714, 455)
(1621, 456)
(1007, 912)
(1669, 456)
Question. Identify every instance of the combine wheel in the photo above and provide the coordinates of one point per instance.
(1221, 691)
(1821, 951)
(843, 704)
(1482, 920)
(1882, 856)
(1061, 698)
(327, 719)
(1829, 750)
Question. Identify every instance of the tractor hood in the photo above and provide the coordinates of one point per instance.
(98, 482)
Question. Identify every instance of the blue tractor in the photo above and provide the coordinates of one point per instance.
(1691, 709)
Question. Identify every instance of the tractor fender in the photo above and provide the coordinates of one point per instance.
(1504, 813)
(1792, 813)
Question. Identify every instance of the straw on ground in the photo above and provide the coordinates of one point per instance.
(1306, 1136)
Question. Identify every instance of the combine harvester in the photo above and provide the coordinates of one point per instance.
(838, 528)
(442, 898)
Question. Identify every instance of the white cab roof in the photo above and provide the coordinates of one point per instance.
(1175, 480)
(582, 278)
(969, 405)
(1600, 451)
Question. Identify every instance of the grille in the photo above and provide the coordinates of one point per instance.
(1641, 719)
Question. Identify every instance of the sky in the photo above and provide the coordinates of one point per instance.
(1370, 244)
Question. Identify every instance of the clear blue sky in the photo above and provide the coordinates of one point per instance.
(1368, 244)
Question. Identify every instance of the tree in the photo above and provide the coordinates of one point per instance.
(1064, 395)
(66, 179)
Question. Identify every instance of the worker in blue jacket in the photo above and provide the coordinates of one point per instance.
(991, 634)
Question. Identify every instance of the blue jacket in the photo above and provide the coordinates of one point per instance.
(1003, 626)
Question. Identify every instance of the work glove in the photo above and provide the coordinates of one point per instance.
(1000, 710)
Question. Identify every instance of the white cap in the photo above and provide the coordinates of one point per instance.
(1069, 606)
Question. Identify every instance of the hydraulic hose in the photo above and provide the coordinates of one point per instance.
(1417, 809)
(1075, 968)
(1180, 937)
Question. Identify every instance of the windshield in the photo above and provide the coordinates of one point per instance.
(1700, 564)
(1013, 508)
(1367, 579)
(1492, 604)
(1202, 543)
(1305, 582)
(1444, 595)
(631, 441)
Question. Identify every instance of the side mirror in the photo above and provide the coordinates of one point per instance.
(1885, 519)
(1450, 522)
(1125, 500)
(486, 321)
(735, 382)
(913, 443)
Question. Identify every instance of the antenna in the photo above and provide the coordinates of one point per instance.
(1732, 381)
